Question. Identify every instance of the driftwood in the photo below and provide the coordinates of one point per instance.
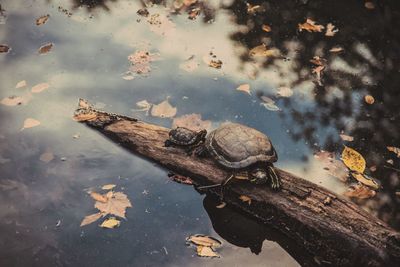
(337, 231)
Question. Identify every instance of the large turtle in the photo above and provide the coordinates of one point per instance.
(241, 149)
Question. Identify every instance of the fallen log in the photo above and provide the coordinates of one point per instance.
(338, 232)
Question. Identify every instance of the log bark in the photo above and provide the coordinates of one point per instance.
(339, 233)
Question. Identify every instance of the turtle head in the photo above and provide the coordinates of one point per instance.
(258, 176)
(201, 135)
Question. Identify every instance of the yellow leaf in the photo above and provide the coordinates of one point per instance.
(360, 191)
(29, 123)
(395, 150)
(40, 87)
(108, 186)
(203, 240)
(99, 197)
(110, 223)
(244, 88)
(364, 179)
(91, 218)
(206, 252)
(353, 160)
(245, 199)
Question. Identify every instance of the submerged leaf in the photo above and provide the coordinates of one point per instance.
(163, 110)
(110, 223)
(353, 160)
(91, 219)
(359, 191)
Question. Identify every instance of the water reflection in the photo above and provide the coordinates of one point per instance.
(89, 59)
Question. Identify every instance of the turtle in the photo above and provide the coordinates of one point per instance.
(184, 137)
(240, 149)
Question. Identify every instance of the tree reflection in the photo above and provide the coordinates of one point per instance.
(368, 66)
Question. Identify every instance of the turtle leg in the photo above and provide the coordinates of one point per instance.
(201, 151)
(224, 183)
(167, 143)
(275, 182)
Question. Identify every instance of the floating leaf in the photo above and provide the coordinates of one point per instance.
(310, 26)
(20, 84)
(99, 197)
(395, 150)
(4, 48)
(203, 240)
(245, 199)
(353, 160)
(269, 104)
(116, 204)
(45, 48)
(215, 63)
(42, 20)
(318, 71)
(40, 87)
(163, 110)
(359, 191)
(369, 99)
(143, 12)
(263, 51)
(110, 223)
(244, 88)
(46, 157)
(192, 121)
(336, 49)
(284, 92)
(108, 186)
(346, 137)
(366, 180)
(331, 30)
(29, 123)
(252, 9)
(206, 252)
(266, 28)
(91, 218)
(12, 101)
(141, 61)
(221, 206)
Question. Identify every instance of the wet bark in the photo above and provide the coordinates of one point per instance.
(338, 232)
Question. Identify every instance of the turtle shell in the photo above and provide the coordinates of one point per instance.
(237, 146)
(182, 136)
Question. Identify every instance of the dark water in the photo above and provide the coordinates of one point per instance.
(42, 204)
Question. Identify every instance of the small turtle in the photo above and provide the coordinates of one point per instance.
(185, 137)
(240, 149)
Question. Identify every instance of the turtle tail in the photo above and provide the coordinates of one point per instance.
(275, 181)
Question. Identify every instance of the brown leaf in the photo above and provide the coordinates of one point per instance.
(140, 61)
(395, 150)
(91, 218)
(42, 20)
(192, 121)
(215, 63)
(115, 205)
(181, 179)
(99, 197)
(4, 48)
(163, 110)
(45, 48)
(359, 191)
(203, 240)
(334, 167)
(40, 87)
(310, 26)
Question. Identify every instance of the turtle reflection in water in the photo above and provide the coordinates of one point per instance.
(236, 147)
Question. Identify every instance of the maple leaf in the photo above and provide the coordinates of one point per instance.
(116, 204)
